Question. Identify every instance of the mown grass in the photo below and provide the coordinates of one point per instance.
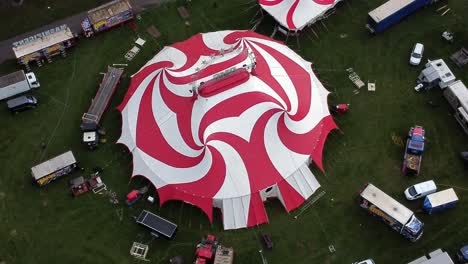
(46, 225)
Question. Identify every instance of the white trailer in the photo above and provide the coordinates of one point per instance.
(16, 83)
(54, 168)
(435, 73)
(457, 95)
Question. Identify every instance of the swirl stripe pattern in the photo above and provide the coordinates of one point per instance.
(227, 120)
(296, 14)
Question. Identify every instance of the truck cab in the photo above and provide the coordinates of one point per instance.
(414, 151)
(91, 139)
(32, 80)
(463, 255)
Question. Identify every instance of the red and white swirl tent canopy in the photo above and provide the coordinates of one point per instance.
(227, 119)
(297, 14)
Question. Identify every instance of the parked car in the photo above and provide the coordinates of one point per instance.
(22, 103)
(463, 254)
(367, 261)
(420, 190)
(416, 54)
(266, 239)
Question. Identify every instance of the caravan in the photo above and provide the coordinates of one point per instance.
(435, 73)
(457, 95)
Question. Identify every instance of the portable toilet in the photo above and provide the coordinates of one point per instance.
(440, 201)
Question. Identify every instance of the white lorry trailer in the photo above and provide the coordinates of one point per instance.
(457, 95)
(16, 83)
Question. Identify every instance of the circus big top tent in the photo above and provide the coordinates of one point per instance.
(227, 119)
(297, 14)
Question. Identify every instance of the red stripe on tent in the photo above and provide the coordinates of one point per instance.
(257, 214)
(138, 78)
(270, 2)
(310, 143)
(238, 36)
(324, 2)
(193, 48)
(198, 193)
(233, 107)
(182, 107)
(291, 198)
(261, 172)
(300, 79)
(150, 139)
(328, 126)
(290, 15)
(263, 72)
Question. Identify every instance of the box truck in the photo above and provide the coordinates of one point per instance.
(16, 83)
(440, 201)
(392, 12)
(54, 168)
(391, 212)
(106, 16)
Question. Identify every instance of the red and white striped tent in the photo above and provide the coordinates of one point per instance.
(227, 119)
(297, 14)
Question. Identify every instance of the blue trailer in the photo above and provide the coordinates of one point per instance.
(392, 12)
(440, 201)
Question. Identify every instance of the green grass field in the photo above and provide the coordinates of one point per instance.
(46, 225)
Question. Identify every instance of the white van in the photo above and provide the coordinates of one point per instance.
(416, 54)
(420, 190)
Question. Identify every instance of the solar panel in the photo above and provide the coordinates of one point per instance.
(157, 224)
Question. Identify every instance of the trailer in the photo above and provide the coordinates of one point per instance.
(440, 201)
(224, 255)
(54, 168)
(44, 46)
(435, 257)
(436, 73)
(391, 212)
(157, 224)
(106, 16)
(392, 12)
(17, 83)
(91, 119)
(457, 96)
